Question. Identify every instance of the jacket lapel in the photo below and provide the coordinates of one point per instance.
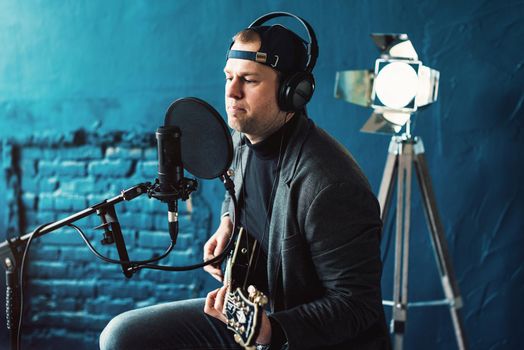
(278, 222)
(239, 169)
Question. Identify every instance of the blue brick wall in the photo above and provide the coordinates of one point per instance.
(70, 294)
(72, 68)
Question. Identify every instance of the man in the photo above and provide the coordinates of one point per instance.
(306, 201)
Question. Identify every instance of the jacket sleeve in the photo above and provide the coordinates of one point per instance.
(225, 206)
(342, 230)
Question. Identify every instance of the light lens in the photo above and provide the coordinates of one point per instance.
(396, 85)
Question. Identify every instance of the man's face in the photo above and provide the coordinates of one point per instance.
(251, 96)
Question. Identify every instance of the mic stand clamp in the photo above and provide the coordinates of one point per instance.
(170, 194)
(181, 191)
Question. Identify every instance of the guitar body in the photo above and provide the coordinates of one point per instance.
(244, 304)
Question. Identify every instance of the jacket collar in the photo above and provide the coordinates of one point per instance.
(296, 140)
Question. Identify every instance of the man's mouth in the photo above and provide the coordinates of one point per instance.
(234, 109)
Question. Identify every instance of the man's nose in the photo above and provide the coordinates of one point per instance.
(234, 88)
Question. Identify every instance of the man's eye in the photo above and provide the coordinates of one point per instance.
(229, 78)
(249, 81)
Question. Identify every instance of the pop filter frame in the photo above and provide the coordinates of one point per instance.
(206, 143)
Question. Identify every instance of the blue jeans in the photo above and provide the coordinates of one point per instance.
(176, 325)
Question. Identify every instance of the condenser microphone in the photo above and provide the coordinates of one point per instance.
(170, 172)
(194, 138)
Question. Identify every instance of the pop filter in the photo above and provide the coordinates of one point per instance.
(207, 147)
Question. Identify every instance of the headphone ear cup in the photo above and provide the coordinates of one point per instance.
(295, 91)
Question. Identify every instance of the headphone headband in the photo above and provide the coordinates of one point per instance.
(312, 47)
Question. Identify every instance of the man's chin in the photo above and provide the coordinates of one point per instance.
(233, 122)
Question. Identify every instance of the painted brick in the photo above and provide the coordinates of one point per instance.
(39, 252)
(123, 153)
(171, 278)
(44, 217)
(143, 204)
(185, 241)
(127, 289)
(40, 302)
(110, 168)
(80, 253)
(63, 237)
(63, 288)
(184, 257)
(29, 167)
(72, 320)
(81, 153)
(48, 184)
(137, 220)
(151, 154)
(148, 169)
(48, 269)
(69, 203)
(153, 239)
(108, 271)
(172, 293)
(109, 306)
(80, 186)
(53, 339)
(30, 219)
(143, 253)
(29, 200)
(116, 185)
(31, 184)
(32, 153)
(65, 168)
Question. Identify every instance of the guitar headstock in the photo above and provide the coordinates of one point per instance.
(244, 313)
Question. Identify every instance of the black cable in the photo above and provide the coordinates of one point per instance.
(21, 282)
(115, 261)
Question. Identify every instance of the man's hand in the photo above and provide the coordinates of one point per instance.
(214, 306)
(215, 245)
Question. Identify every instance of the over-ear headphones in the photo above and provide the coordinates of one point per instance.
(296, 89)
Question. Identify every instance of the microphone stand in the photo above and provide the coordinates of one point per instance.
(11, 249)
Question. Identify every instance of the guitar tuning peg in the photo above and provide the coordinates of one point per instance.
(262, 299)
(251, 290)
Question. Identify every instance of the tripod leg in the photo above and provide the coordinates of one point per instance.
(386, 185)
(400, 291)
(440, 248)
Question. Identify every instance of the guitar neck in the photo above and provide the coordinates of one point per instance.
(242, 260)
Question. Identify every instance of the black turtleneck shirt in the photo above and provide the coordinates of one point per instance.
(260, 183)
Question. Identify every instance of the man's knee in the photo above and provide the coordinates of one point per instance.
(116, 335)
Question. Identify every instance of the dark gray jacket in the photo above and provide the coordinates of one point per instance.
(324, 263)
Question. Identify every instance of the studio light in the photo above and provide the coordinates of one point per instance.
(395, 89)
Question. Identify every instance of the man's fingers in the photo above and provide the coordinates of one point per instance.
(221, 244)
(215, 272)
(219, 299)
(215, 298)
(210, 302)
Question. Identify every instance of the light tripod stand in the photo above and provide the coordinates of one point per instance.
(404, 152)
